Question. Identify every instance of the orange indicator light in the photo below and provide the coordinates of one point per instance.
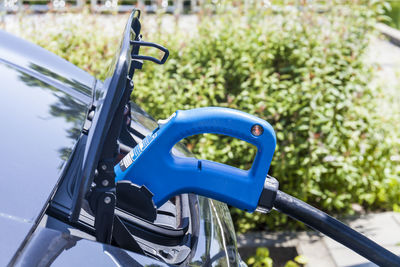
(257, 130)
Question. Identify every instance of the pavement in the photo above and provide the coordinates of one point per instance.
(383, 228)
(319, 250)
(384, 53)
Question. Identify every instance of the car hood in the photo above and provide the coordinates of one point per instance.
(36, 60)
(43, 105)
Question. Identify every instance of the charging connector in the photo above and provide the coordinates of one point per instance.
(152, 165)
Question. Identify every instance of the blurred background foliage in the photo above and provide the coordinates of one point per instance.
(299, 66)
(393, 12)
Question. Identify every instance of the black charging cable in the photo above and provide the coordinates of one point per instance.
(271, 198)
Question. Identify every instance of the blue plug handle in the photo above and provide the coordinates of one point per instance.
(152, 164)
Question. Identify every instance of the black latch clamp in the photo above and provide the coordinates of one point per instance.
(153, 59)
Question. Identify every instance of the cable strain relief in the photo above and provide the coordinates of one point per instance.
(268, 195)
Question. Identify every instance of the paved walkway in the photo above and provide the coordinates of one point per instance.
(383, 228)
(321, 251)
(386, 56)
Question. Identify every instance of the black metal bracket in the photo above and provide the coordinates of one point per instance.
(103, 201)
(103, 195)
(129, 193)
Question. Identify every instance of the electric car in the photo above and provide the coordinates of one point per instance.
(62, 131)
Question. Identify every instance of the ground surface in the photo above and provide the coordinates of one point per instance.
(383, 228)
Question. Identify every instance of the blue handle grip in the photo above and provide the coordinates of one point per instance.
(152, 164)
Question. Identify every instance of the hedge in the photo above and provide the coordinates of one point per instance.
(302, 69)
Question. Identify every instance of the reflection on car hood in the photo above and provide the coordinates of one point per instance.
(40, 126)
(38, 60)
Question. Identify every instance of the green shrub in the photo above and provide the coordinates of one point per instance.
(393, 12)
(85, 40)
(301, 69)
(260, 259)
